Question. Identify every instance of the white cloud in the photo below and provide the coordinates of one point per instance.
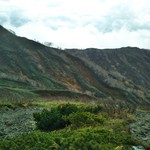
(80, 24)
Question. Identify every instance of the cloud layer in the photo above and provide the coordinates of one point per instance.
(80, 24)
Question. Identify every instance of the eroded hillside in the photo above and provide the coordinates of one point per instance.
(119, 74)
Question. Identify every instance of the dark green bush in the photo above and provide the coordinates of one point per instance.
(66, 109)
(49, 120)
(53, 119)
(66, 114)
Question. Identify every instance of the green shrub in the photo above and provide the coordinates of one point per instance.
(53, 119)
(92, 138)
(79, 119)
(49, 120)
(66, 114)
(66, 109)
(93, 108)
(32, 141)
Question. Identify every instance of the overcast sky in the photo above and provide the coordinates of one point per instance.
(80, 23)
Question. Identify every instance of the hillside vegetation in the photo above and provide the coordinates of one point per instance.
(115, 74)
(65, 125)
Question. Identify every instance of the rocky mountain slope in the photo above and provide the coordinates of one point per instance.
(117, 74)
(126, 69)
(130, 62)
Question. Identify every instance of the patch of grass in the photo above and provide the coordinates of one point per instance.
(16, 94)
(13, 98)
(55, 101)
(4, 82)
(62, 93)
(116, 125)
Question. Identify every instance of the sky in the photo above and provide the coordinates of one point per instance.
(80, 23)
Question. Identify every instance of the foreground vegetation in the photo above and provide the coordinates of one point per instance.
(72, 125)
(84, 138)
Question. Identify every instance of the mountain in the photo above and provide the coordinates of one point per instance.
(27, 66)
(126, 69)
(131, 62)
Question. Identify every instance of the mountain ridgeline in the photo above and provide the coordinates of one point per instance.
(30, 67)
